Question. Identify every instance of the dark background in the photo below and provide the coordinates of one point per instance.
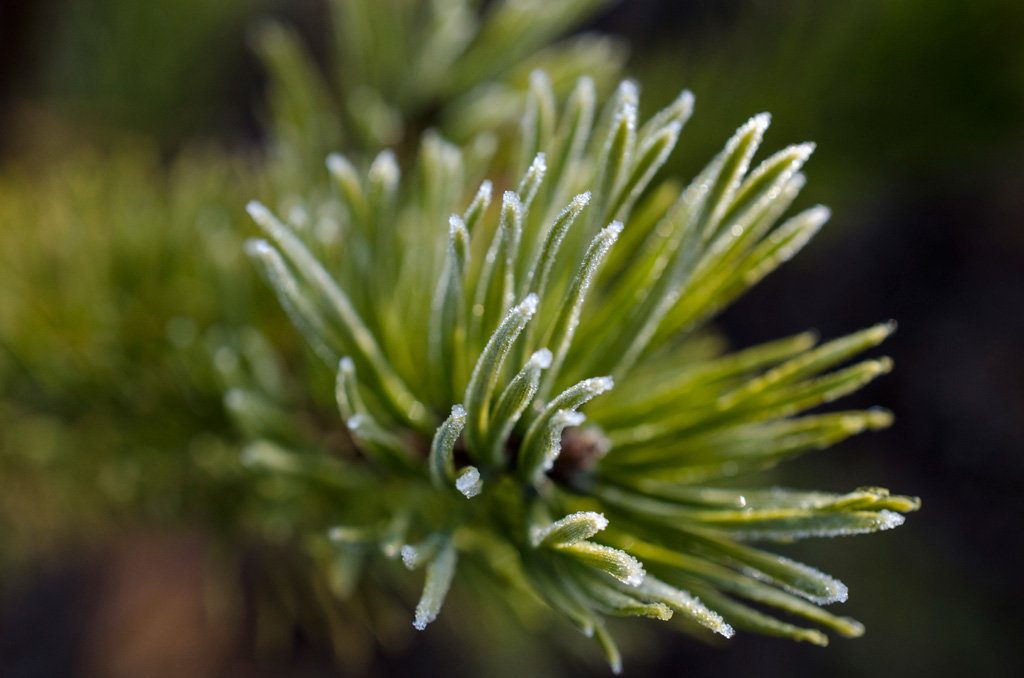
(917, 110)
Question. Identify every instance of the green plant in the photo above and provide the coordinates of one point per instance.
(105, 380)
(398, 67)
(157, 67)
(467, 342)
(127, 306)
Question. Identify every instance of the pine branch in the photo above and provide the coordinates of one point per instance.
(463, 300)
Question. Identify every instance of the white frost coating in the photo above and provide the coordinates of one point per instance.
(540, 359)
(579, 202)
(628, 92)
(586, 524)
(804, 150)
(674, 116)
(568, 419)
(440, 573)
(689, 604)
(337, 164)
(531, 181)
(637, 573)
(685, 101)
(612, 229)
(562, 419)
(759, 121)
(601, 521)
(468, 482)
(837, 590)
(612, 561)
(355, 421)
(258, 211)
(410, 556)
(257, 247)
(890, 519)
(443, 444)
(384, 167)
(797, 231)
(599, 385)
(529, 305)
(510, 204)
(455, 224)
(628, 112)
(671, 132)
(539, 164)
(883, 520)
(819, 213)
(792, 156)
(635, 579)
(840, 596)
(597, 519)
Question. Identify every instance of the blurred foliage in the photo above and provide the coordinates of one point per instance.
(160, 67)
(395, 68)
(113, 269)
(875, 83)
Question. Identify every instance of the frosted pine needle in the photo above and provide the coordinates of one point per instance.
(471, 343)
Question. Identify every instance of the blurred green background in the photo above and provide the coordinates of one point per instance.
(116, 114)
